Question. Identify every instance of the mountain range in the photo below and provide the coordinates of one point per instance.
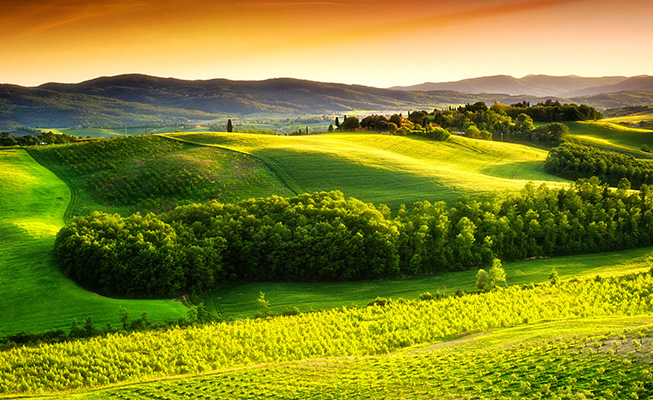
(141, 99)
(540, 85)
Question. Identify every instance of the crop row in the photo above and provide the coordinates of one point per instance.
(564, 368)
(333, 333)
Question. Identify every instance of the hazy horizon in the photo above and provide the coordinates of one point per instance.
(291, 77)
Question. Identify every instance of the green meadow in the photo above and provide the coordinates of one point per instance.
(36, 295)
(388, 169)
(240, 300)
(612, 136)
(150, 173)
(632, 118)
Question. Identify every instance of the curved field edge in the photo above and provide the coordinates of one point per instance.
(238, 300)
(343, 332)
(387, 169)
(151, 173)
(612, 137)
(278, 170)
(37, 296)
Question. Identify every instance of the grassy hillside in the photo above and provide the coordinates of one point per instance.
(604, 357)
(36, 295)
(611, 136)
(143, 173)
(239, 300)
(388, 169)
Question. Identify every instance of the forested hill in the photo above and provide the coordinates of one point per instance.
(142, 99)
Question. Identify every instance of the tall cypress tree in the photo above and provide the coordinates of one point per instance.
(230, 126)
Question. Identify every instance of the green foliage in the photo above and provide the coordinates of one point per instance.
(350, 124)
(324, 236)
(554, 278)
(553, 111)
(573, 161)
(27, 139)
(374, 330)
(264, 305)
(482, 279)
(497, 274)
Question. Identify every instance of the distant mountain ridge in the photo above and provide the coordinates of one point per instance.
(135, 99)
(539, 85)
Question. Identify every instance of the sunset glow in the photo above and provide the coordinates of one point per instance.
(378, 43)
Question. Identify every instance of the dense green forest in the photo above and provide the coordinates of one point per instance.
(324, 236)
(573, 161)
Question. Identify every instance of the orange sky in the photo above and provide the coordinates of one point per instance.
(378, 43)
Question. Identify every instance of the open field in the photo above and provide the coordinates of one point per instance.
(149, 173)
(612, 136)
(239, 300)
(36, 295)
(388, 169)
(589, 357)
(632, 119)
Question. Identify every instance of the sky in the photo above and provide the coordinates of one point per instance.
(376, 43)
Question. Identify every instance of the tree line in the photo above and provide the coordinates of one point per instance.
(34, 137)
(507, 122)
(573, 161)
(327, 237)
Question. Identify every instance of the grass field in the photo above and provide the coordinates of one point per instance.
(632, 119)
(240, 300)
(386, 169)
(111, 132)
(612, 136)
(150, 173)
(598, 358)
(35, 294)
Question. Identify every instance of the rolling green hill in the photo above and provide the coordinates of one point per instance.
(612, 136)
(36, 295)
(151, 173)
(387, 169)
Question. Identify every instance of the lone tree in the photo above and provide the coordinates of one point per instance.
(230, 126)
(482, 279)
(337, 123)
(497, 273)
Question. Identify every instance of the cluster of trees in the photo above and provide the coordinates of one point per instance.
(479, 121)
(396, 125)
(324, 236)
(39, 137)
(482, 122)
(573, 161)
(553, 111)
